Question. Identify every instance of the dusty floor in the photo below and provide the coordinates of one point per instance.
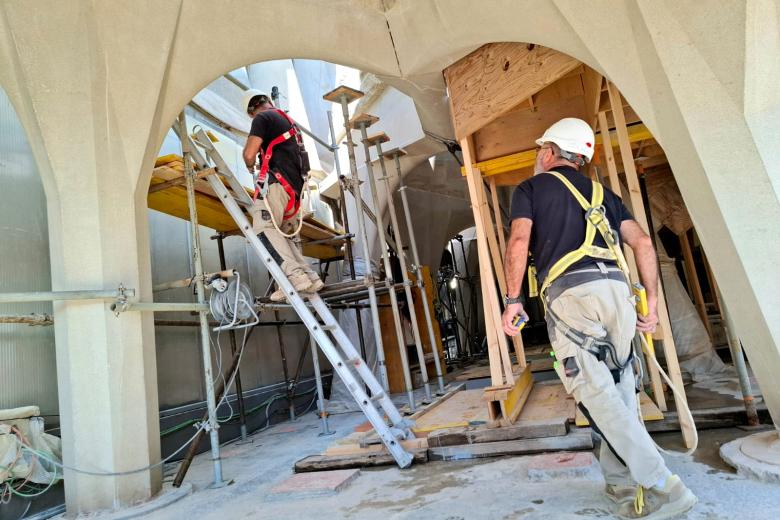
(489, 489)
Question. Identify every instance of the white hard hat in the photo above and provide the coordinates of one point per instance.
(249, 95)
(571, 135)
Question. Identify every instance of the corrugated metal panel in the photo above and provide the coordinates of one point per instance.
(28, 374)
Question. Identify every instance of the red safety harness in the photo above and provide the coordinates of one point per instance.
(261, 185)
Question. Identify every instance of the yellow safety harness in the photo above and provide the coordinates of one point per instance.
(595, 221)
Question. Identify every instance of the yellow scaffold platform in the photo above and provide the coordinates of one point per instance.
(168, 194)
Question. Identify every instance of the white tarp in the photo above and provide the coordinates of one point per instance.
(17, 462)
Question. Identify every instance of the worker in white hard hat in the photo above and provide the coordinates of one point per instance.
(563, 218)
(275, 156)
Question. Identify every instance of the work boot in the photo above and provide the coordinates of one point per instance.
(655, 504)
(316, 283)
(299, 280)
(619, 494)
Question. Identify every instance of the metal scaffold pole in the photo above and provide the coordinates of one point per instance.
(205, 333)
(380, 226)
(233, 347)
(363, 237)
(315, 358)
(396, 155)
(405, 276)
(345, 221)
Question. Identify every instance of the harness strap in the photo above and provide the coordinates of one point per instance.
(595, 221)
(261, 185)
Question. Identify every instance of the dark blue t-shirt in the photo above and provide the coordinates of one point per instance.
(559, 220)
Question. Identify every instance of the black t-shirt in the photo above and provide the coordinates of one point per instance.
(286, 159)
(559, 220)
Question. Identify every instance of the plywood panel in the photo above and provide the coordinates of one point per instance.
(497, 77)
(392, 356)
(518, 130)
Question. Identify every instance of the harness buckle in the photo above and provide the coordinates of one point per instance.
(596, 215)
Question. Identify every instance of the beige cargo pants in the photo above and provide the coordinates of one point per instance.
(293, 261)
(605, 309)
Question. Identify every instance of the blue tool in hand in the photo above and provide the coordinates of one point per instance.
(519, 321)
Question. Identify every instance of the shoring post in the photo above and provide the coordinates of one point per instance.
(363, 237)
(407, 283)
(205, 332)
(380, 226)
(418, 270)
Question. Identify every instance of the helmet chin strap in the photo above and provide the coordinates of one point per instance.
(573, 158)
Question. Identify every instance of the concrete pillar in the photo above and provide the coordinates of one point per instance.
(80, 98)
(719, 148)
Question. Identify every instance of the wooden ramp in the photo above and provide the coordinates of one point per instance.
(168, 194)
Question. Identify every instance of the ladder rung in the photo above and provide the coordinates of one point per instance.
(331, 326)
(377, 396)
(354, 361)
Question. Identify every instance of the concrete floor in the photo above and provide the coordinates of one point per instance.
(489, 488)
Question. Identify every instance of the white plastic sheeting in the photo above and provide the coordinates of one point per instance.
(19, 463)
(695, 352)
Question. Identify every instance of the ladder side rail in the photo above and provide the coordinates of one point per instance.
(238, 189)
(402, 457)
(363, 370)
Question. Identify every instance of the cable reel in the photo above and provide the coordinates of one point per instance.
(231, 304)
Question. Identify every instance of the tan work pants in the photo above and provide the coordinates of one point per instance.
(293, 261)
(605, 309)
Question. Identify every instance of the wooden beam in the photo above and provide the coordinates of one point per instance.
(672, 364)
(692, 277)
(526, 159)
(591, 86)
(497, 216)
(498, 76)
(489, 297)
(614, 184)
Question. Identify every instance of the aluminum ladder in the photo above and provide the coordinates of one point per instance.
(339, 350)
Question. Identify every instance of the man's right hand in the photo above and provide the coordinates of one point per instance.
(515, 309)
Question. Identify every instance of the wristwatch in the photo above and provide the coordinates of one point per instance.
(511, 301)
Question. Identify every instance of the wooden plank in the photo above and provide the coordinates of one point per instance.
(497, 215)
(336, 94)
(576, 440)
(527, 430)
(387, 324)
(438, 402)
(673, 366)
(463, 408)
(614, 184)
(489, 297)
(474, 435)
(692, 277)
(547, 402)
(498, 265)
(379, 137)
(650, 411)
(493, 79)
(325, 462)
(591, 87)
(355, 449)
(517, 397)
(519, 129)
(523, 160)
